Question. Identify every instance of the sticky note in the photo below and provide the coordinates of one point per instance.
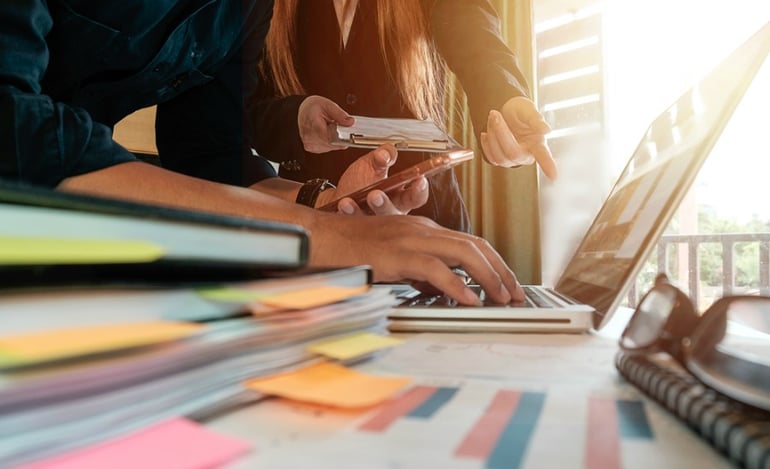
(352, 346)
(312, 297)
(33, 251)
(330, 384)
(176, 443)
(66, 343)
(236, 295)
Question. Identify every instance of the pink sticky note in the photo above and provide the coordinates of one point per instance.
(177, 443)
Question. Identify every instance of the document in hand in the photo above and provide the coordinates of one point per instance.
(50, 237)
(404, 134)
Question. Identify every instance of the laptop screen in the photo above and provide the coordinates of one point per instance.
(655, 179)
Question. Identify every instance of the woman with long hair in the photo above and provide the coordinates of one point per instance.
(388, 58)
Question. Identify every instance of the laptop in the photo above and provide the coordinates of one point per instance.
(627, 226)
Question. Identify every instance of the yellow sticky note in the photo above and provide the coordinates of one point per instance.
(312, 297)
(330, 384)
(238, 295)
(33, 251)
(352, 346)
(66, 343)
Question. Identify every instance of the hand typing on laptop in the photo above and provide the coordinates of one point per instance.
(425, 293)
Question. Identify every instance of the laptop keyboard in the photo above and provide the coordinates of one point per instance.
(537, 298)
(411, 298)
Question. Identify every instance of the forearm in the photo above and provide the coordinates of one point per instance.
(468, 36)
(285, 189)
(147, 183)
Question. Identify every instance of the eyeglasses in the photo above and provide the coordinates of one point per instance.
(727, 348)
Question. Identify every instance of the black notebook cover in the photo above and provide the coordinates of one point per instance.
(195, 245)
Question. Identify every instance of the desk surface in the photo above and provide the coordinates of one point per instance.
(573, 411)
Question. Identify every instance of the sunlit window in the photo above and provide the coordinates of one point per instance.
(605, 71)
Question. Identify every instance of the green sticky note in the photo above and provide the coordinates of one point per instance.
(236, 295)
(9, 359)
(33, 251)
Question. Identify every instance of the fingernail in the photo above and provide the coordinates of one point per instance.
(347, 208)
(378, 200)
(518, 294)
(383, 156)
(505, 295)
(422, 184)
(469, 297)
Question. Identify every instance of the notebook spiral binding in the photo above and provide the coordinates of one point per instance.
(740, 433)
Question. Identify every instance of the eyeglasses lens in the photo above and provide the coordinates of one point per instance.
(650, 318)
(748, 330)
(730, 349)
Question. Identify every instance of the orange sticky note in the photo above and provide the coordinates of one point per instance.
(177, 443)
(330, 384)
(312, 297)
(66, 343)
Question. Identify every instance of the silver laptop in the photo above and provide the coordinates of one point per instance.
(626, 228)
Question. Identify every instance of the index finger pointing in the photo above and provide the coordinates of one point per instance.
(545, 159)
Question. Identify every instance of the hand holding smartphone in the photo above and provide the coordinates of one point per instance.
(396, 182)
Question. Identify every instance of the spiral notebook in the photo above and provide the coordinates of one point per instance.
(741, 433)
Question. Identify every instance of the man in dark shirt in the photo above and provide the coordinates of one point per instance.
(70, 69)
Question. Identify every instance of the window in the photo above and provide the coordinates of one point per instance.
(605, 69)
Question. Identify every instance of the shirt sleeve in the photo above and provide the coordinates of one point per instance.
(468, 36)
(208, 132)
(275, 122)
(42, 141)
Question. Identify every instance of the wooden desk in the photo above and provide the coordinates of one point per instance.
(573, 411)
(137, 132)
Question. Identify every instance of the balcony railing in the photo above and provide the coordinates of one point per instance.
(689, 265)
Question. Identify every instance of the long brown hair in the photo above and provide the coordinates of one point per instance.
(405, 43)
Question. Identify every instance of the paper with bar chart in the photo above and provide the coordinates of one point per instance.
(513, 419)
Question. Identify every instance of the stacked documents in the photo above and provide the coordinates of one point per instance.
(75, 386)
(121, 320)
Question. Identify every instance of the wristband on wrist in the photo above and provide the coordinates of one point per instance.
(308, 193)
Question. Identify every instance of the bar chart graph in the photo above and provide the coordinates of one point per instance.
(504, 426)
(419, 402)
(547, 403)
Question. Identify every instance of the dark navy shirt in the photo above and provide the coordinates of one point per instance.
(70, 69)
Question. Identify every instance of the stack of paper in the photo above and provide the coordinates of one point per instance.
(118, 319)
(64, 389)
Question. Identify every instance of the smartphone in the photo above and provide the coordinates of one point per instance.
(398, 181)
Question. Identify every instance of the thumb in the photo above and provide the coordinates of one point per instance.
(538, 124)
(385, 156)
(534, 119)
(336, 114)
